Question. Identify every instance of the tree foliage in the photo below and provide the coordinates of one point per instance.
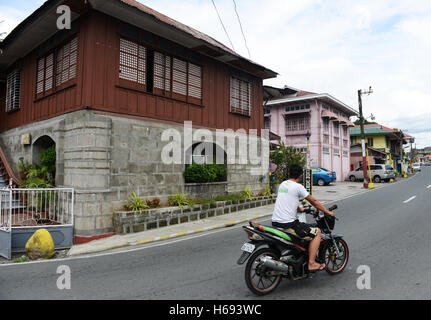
(285, 156)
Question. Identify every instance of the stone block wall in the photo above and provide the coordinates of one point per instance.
(106, 157)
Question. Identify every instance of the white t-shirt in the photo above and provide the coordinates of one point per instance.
(286, 205)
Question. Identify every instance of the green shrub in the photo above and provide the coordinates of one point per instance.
(205, 173)
(181, 200)
(48, 160)
(136, 203)
(246, 194)
(268, 192)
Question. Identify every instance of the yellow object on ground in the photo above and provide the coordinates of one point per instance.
(40, 245)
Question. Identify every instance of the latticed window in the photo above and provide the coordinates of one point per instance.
(336, 141)
(133, 59)
(336, 152)
(13, 90)
(325, 150)
(297, 123)
(57, 68)
(240, 96)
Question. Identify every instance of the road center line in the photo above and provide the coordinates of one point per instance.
(408, 200)
(429, 186)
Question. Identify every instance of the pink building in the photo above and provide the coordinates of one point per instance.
(292, 113)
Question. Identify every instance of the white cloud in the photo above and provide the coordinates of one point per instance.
(336, 46)
(332, 46)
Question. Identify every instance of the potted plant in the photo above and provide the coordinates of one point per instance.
(23, 169)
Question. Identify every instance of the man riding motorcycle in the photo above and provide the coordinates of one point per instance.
(284, 216)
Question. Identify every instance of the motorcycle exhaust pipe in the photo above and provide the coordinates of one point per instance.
(275, 265)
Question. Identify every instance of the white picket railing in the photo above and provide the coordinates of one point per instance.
(36, 207)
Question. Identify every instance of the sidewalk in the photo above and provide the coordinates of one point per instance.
(333, 192)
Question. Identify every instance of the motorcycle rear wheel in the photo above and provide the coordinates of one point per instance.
(255, 274)
(336, 264)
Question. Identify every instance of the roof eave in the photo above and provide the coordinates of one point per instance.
(321, 96)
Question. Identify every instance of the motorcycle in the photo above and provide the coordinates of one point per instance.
(272, 254)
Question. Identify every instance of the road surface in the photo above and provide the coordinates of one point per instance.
(387, 229)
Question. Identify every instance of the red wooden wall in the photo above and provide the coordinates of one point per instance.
(96, 86)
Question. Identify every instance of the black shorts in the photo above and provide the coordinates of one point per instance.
(298, 229)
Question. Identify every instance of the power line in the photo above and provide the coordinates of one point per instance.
(242, 31)
(223, 25)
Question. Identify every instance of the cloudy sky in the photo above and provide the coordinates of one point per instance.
(323, 46)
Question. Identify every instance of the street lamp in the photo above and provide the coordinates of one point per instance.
(361, 119)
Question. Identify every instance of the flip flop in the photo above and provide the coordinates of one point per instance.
(321, 267)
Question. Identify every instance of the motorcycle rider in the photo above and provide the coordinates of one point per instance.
(284, 216)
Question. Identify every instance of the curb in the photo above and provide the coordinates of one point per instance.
(173, 235)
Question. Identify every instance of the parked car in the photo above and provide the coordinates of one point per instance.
(379, 173)
(322, 176)
(427, 164)
(417, 166)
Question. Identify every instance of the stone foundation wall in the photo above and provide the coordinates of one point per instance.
(105, 158)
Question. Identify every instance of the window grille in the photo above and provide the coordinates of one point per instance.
(299, 123)
(240, 96)
(132, 61)
(13, 90)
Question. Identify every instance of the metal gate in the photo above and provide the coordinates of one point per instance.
(6, 223)
(24, 211)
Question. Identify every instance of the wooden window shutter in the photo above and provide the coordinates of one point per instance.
(162, 73)
(195, 82)
(13, 90)
(179, 78)
(240, 92)
(67, 59)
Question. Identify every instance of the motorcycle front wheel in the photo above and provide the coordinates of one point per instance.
(335, 263)
(256, 274)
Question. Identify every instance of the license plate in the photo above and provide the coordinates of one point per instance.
(248, 247)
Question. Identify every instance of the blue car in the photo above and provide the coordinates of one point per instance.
(322, 176)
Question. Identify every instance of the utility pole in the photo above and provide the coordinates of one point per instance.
(403, 173)
(361, 119)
